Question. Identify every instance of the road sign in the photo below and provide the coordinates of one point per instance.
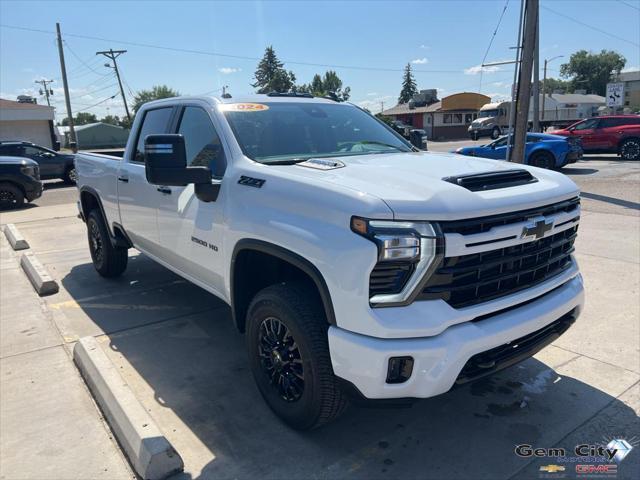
(615, 94)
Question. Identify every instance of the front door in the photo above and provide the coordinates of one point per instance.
(138, 199)
(50, 166)
(190, 230)
(587, 131)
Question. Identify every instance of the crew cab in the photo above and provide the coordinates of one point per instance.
(357, 266)
(52, 164)
(608, 134)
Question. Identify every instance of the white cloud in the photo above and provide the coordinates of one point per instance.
(372, 94)
(375, 104)
(229, 70)
(630, 69)
(475, 70)
(498, 96)
(420, 61)
(424, 47)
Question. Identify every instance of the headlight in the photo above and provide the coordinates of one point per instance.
(29, 170)
(406, 251)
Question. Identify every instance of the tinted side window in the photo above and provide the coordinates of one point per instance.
(155, 121)
(591, 123)
(201, 140)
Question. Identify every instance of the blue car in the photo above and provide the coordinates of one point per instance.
(542, 150)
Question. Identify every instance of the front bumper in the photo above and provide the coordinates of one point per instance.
(33, 190)
(439, 360)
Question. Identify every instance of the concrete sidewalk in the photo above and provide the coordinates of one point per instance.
(50, 428)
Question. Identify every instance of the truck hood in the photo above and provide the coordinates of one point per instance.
(412, 184)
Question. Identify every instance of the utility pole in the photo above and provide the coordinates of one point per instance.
(73, 142)
(544, 81)
(44, 82)
(524, 82)
(381, 106)
(514, 85)
(536, 79)
(112, 55)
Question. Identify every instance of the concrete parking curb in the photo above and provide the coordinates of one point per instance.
(15, 238)
(38, 275)
(149, 452)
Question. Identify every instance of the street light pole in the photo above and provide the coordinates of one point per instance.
(544, 81)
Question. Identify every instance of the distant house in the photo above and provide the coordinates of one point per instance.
(445, 119)
(97, 135)
(27, 121)
(570, 106)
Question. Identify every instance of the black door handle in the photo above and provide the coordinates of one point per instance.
(165, 190)
(123, 179)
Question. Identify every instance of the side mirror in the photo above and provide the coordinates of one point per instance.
(166, 164)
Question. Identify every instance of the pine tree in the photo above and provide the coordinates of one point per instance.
(409, 88)
(270, 76)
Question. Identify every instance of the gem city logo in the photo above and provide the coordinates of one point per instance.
(588, 460)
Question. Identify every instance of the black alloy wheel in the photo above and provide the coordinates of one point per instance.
(280, 359)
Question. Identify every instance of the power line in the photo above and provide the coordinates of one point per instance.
(486, 53)
(99, 103)
(80, 59)
(227, 55)
(604, 32)
(629, 5)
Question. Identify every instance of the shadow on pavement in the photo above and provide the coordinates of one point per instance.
(613, 200)
(188, 367)
(570, 170)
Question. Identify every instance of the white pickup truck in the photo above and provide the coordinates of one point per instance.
(357, 266)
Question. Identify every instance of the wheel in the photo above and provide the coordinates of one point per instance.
(289, 356)
(542, 160)
(70, 176)
(474, 136)
(630, 149)
(109, 261)
(495, 133)
(10, 196)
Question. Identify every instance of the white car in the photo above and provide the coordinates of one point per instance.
(356, 265)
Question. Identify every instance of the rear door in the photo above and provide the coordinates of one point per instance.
(190, 231)
(137, 198)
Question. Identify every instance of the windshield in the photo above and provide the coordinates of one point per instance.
(488, 113)
(277, 132)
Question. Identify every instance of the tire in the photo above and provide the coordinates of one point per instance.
(289, 356)
(70, 176)
(630, 149)
(10, 196)
(495, 133)
(474, 136)
(109, 261)
(542, 160)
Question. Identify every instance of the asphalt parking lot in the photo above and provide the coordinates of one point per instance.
(176, 347)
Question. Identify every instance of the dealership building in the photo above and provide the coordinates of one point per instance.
(27, 121)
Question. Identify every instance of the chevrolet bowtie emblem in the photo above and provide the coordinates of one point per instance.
(551, 468)
(537, 227)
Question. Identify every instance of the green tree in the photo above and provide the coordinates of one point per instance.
(553, 84)
(409, 87)
(81, 118)
(270, 75)
(330, 84)
(592, 71)
(157, 92)
(111, 120)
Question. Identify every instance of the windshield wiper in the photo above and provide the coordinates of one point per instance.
(375, 142)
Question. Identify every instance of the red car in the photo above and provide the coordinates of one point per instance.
(608, 134)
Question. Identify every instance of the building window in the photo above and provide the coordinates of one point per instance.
(468, 118)
(452, 118)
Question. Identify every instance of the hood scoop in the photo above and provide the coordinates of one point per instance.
(478, 182)
(321, 164)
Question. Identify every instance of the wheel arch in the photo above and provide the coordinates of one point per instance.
(270, 264)
(90, 200)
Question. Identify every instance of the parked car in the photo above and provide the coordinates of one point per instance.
(52, 164)
(356, 265)
(19, 181)
(541, 150)
(608, 134)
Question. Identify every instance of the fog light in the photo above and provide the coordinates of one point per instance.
(400, 369)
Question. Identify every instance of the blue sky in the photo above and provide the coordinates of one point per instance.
(445, 40)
